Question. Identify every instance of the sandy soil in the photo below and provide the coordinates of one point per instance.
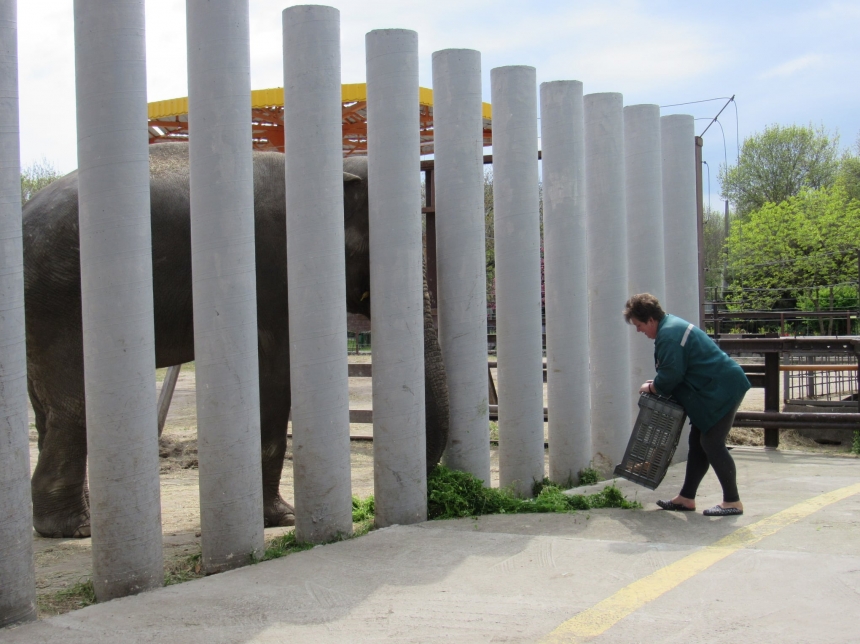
(62, 563)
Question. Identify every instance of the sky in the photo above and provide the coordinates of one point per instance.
(785, 62)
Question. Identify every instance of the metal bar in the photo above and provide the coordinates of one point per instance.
(165, 396)
(700, 229)
(771, 396)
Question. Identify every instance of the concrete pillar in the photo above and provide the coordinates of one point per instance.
(17, 575)
(518, 305)
(611, 420)
(645, 269)
(461, 255)
(679, 217)
(224, 286)
(680, 234)
(316, 272)
(565, 279)
(396, 277)
(116, 297)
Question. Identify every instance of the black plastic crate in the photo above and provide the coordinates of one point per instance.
(653, 441)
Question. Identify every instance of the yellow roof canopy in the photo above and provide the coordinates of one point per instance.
(168, 120)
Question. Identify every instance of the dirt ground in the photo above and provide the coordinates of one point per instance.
(61, 564)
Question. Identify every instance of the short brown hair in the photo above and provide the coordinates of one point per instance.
(643, 307)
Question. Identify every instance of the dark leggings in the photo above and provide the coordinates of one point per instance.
(709, 448)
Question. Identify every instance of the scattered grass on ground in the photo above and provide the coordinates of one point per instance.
(79, 595)
(452, 494)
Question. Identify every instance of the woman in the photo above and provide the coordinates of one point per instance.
(709, 385)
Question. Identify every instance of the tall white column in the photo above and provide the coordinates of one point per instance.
(17, 574)
(679, 216)
(461, 255)
(316, 272)
(396, 277)
(680, 236)
(224, 282)
(645, 270)
(116, 297)
(518, 305)
(611, 420)
(565, 279)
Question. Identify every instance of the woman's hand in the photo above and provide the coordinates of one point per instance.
(647, 388)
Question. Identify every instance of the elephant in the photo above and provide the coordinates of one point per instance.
(55, 371)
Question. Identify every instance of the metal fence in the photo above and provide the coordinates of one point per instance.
(826, 380)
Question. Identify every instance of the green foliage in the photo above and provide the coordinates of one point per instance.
(855, 444)
(281, 546)
(588, 476)
(777, 164)
(797, 245)
(36, 177)
(81, 594)
(494, 430)
(362, 510)
(714, 239)
(452, 494)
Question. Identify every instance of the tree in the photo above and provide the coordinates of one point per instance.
(35, 177)
(800, 247)
(777, 164)
(714, 238)
(849, 172)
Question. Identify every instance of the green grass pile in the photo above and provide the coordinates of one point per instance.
(452, 494)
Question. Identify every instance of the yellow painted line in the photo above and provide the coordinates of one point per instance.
(603, 615)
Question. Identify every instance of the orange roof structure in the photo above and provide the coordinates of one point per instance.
(168, 120)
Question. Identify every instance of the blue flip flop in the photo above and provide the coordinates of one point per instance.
(719, 511)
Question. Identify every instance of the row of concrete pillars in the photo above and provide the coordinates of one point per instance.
(594, 154)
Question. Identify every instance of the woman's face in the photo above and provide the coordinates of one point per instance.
(649, 328)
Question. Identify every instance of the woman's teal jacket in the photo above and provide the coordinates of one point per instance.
(696, 372)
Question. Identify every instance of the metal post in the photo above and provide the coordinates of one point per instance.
(17, 574)
(396, 277)
(462, 303)
(116, 297)
(224, 286)
(315, 272)
(517, 231)
(771, 395)
(566, 279)
(609, 335)
(700, 229)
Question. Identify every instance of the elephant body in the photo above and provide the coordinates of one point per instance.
(55, 337)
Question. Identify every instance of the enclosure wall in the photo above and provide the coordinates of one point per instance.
(396, 277)
(17, 574)
(645, 270)
(518, 288)
(116, 297)
(679, 216)
(224, 283)
(316, 272)
(565, 279)
(611, 417)
(461, 255)
(679, 226)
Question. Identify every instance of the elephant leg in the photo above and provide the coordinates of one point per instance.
(435, 388)
(274, 413)
(60, 505)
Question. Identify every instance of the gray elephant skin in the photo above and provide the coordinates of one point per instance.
(55, 341)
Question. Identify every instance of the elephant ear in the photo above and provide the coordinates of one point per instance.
(435, 388)
(348, 176)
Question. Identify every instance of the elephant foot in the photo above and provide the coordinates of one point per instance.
(63, 527)
(278, 512)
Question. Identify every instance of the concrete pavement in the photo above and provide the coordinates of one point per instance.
(525, 578)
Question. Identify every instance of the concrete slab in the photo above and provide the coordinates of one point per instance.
(516, 578)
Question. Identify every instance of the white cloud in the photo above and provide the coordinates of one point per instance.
(792, 67)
